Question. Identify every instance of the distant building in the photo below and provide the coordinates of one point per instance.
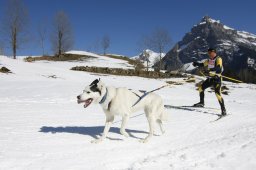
(251, 62)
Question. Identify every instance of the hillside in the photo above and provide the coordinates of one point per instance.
(43, 127)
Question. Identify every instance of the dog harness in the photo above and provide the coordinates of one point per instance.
(104, 97)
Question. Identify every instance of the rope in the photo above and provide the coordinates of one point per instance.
(146, 93)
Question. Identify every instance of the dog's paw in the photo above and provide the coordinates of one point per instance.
(143, 141)
(97, 140)
(125, 134)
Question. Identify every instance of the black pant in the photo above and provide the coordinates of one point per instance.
(216, 83)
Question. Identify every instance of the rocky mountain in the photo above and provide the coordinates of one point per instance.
(237, 48)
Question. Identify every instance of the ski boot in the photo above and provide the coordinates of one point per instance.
(200, 104)
(223, 112)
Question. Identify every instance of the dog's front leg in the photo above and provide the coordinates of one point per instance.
(109, 121)
(123, 126)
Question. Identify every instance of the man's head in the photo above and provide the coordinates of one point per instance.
(212, 53)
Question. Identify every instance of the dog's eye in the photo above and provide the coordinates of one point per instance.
(88, 92)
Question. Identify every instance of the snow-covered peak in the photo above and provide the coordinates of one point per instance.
(153, 56)
(243, 34)
(207, 19)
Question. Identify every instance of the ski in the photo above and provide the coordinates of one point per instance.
(210, 108)
(219, 117)
(204, 110)
(191, 107)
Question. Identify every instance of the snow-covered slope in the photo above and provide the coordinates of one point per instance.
(102, 61)
(153, 56)
(43, 127)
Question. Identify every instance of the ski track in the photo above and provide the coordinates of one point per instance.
(188, 158)
(42, 126)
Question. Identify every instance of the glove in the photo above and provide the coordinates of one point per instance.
(195, 64)
(211, 73)
(206, 72)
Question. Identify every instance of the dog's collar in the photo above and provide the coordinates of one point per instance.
(104, 97)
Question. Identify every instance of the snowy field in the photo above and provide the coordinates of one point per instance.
(43, 127)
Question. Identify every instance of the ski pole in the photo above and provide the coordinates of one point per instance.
(232, 79)
(202, 73)
(224, 77)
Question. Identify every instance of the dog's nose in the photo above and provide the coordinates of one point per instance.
(78, 97)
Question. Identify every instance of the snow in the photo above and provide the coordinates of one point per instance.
(201, 23)
(153, 56)
(182, 47)
(246, 38)
(213, 20)
(187, 67)
(246, 34)
(83, 53)
(225, 43)
(43, 127)
(227, 28)
(210, 20)
(103, 61)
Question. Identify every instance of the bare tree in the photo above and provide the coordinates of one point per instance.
(105, 43)
(62, 36)
(144, 56)
(155, 62)
(42, 32)
(15, 23)
(158, 41)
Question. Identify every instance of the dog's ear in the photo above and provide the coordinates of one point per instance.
(100, 85)
(95, 88)
(95, 82)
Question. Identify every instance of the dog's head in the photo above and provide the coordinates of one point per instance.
(91, 93)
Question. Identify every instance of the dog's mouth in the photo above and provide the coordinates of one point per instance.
(86, 102)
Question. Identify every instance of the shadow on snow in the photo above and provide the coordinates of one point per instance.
(93, 131)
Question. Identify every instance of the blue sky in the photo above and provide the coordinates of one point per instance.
(126, 21)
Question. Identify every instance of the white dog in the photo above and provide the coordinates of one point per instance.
(123, 102)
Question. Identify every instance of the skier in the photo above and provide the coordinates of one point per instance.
(214, 69)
